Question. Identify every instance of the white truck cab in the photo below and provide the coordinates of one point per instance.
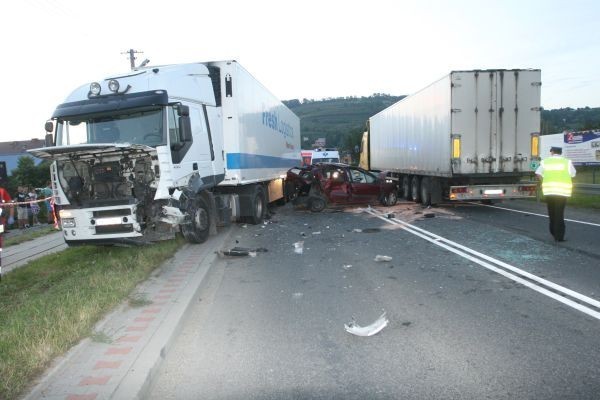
(142, 154)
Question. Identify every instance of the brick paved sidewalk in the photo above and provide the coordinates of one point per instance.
(132, 341)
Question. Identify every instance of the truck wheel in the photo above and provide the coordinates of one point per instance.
(415, 189)
(259, 206)
(406, 187)
(425, 192)
(317, 204)
(197, 230)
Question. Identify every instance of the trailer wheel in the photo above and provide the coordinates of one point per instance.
(415, 189)
(197, 229)
(406, 187)
(425, 192)
(258, 206)
(317, 204)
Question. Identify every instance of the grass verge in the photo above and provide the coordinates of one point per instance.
(49, 305)
(27, 236)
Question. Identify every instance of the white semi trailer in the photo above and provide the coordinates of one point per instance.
(472, 135)
(142, 154)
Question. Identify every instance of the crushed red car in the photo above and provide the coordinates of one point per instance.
(319, 185)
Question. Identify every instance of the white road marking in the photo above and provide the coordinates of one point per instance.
(532, 213)
(484, 261)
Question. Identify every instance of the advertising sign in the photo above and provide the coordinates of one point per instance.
(582, 148)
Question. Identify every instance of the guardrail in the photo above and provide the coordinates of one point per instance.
(586, 188)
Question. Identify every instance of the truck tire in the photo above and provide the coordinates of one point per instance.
(415, 189)
(425, 192)
(317, 204)
(258, 206)
(198, 228)
(406, 187)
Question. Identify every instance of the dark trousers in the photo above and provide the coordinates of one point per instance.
(556, 213)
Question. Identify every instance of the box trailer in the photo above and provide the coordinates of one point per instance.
(472, 135)
(191, 146)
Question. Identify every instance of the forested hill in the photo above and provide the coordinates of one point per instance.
(342, 120)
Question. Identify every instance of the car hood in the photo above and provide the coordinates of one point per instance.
(61, 153)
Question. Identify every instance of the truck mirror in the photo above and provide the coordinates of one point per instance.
(49, 126)
(183, 111)
(185, 129)
(48, 140)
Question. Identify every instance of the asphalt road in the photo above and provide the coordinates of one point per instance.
(272, 326)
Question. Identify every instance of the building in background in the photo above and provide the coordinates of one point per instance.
(10, 152)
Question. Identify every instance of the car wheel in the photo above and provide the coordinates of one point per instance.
(391, 199)
(317, 204)
(196, 230)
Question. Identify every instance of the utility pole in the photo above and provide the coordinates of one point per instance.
(132, 56)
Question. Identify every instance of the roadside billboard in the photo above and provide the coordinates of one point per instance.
(582, 148)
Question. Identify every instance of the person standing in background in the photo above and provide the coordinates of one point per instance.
(34, 206)
(556, 173)
(22, 208)
(7, 217)
(46, 192)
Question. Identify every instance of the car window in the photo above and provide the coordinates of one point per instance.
(370, 178)
(358, 176)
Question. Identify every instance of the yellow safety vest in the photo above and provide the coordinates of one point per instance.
(556, 177)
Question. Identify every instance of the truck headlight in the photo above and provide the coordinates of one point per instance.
(68, 223)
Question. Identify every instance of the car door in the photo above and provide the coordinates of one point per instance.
(365, 187)
(335, 184)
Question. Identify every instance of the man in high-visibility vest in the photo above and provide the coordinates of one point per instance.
(556, 172)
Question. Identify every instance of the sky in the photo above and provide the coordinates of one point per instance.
(298, 49)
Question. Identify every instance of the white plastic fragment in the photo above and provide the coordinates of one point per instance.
(357, 230)
(347, 266)
(368, 330)
(379, 258)
(298, 247)
(316, 233)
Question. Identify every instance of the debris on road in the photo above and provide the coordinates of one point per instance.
(357, 230)
(242, 252)
(298, 247)
(347, 267)
(428, 215)
(316, 233)
(368, 330)
(379, 258)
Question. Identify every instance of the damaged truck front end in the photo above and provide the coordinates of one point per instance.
(107, 180)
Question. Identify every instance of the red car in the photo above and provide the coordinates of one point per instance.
(331, 183)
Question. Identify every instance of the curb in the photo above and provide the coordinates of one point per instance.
(76, 374)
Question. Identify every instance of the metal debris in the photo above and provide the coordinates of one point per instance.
(368, 330)
(242, 252)
(298, 247)
(379, 258)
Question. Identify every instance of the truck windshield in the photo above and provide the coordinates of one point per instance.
(134, 127)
